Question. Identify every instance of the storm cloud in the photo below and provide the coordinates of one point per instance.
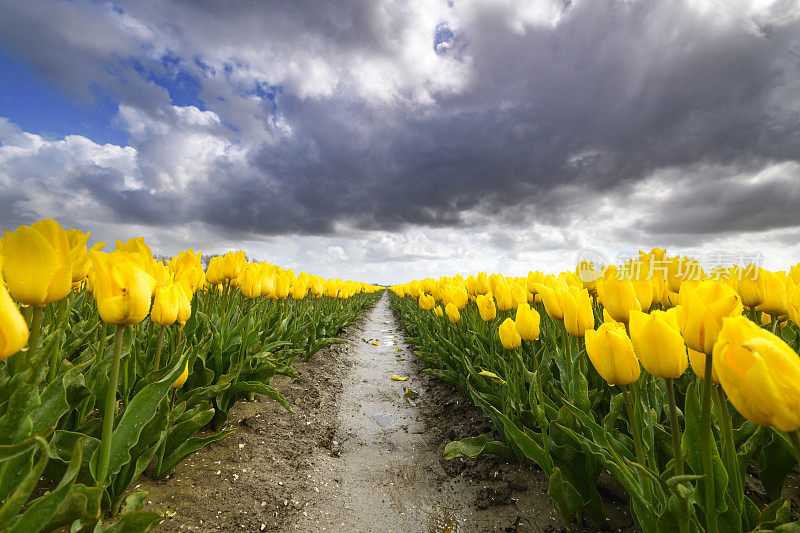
(542, 126)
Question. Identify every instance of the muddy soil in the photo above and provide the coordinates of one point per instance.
(361, 453)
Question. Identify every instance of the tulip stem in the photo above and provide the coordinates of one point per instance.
(675, 428)
(110, 410)
(794, 436)
(705, 439)
(243, 347)
(22, 358)
(635, 430)
(729, 447)
(568, 360)
(159, 347)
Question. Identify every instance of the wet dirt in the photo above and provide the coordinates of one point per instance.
(362, 452)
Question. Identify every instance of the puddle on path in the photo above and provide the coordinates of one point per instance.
(387, 478)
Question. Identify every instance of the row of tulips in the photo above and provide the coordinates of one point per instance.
(588, 371)
(116, 364)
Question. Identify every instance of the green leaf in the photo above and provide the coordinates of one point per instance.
(775, 461)
(136, 522)
(139, 412)
(566, 498)
(135, 502)
(24, 487)
(41, 510)
(475, 447)
(186, 448)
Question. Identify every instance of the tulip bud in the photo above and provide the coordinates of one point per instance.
(527, 322)
(578, 313)
(760, 374)
(452, 313)
(438, 311)
(184, 302)
(13, 328)
(509, 336)
(486, 308)
(657, 341)
(702, 310)
(611, 352)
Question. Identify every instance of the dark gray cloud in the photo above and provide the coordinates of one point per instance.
(323, 115)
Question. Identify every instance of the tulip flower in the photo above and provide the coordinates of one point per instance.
(760, 374)
(552, 296)
(250, 283)
(486, 307)
(426, 302)
(214, 272)
(619, 295)
(657, 341)
(702, 310)
(502, 294)
(509, 336)
(122, 289)
(751, 285)
(165, 305)
(13, 328)
(299, 289)
(527, 322)
(282, 286)
(611, 352)
(775, 295)
(793, 305)
(452, 313)
(578, 314)
(519, 295)
(438, 311)
(38, 262)
(680, 269)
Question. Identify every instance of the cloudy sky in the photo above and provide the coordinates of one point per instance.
(389, 140)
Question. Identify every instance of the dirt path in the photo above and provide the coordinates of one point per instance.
(361, 453)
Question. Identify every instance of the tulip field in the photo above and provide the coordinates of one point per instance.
(111, 364)
(603, 370)
(116, 365)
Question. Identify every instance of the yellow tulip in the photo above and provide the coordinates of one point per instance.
(481, 284)
(250, 282)
(233, 263)
(527, 321)
(184, 302)
(165, 305)
(214, 272)
(281, 289)
(657, 341)
(452, 312)
(80, 262)
(611, 352)
(509, 336)
(578, 314)
(37, 264)
(519, 295)
(698, 362)
(701, 312)
(751, 285)
(299, 289)
(619, 295)
(680, 269)
(552, 293)
(182, 378)
(13, 328)
(486, 307)
(502, 294)
(760, 373)
(122, 289)
(438, 311)
(775, 294)
(427, 302)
